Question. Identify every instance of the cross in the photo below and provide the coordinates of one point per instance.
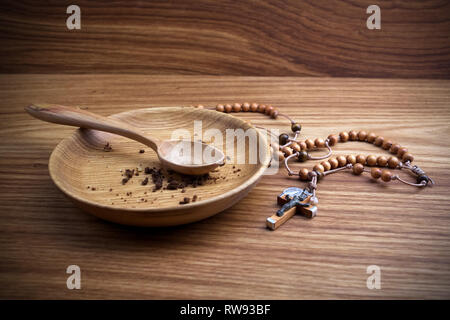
(293, 200)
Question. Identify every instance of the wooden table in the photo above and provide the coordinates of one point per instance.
(403, 230)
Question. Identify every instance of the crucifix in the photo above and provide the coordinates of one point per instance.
(293, 200)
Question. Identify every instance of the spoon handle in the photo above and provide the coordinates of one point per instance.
(85, 119)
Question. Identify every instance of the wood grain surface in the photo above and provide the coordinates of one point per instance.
(245, 38)
(232, 255)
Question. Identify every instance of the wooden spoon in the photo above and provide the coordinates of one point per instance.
(177, 155)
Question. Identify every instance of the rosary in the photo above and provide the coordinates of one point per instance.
(304, 201)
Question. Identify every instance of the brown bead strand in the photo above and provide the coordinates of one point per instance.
(246, 107)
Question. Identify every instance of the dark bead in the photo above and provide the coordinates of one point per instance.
(283, 138)
(302, 156)
(423, 178)
(296, 127)
(319, 175)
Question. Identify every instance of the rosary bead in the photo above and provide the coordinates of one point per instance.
(375, 173)
(274, 113)
(351, 159)
(319, 143)
(283, 138)
(401, 152)
(309, 144)
(261, 108)
(303, 174)
(361, 159)
(332, 139)
(268, 110)
(343, 136)
(353, 135)
(318, 167)
(386, 145)
(228, 108)
(220, 108)
(342, 161)
(303, 145)
(358, 169)
(393, 162)
(280, 156)
(319, 174)
(394, 148)
(326, 165)
(362, 135)
(382, 161)
(302, 156)
(408, 157)
(371, 160)
(287, 151)
(254, 107)
(295, 146)
(386, 175)
(296, 127)
(246, 107)
(371, 137)
(237, 107)
(334, 163)
(378, 141)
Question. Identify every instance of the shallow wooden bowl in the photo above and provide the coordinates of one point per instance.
(83, 169)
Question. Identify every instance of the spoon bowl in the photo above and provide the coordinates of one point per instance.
(183, 156)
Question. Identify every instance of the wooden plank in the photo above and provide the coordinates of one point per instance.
(245, 38)
(403, 230)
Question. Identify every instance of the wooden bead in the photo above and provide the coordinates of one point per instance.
(268, 110)
(326, 165)
(246, 107)
(302, 156)
(274, 113)
(334, 163)
(394, 148)
(237, 107)
(283, 138)
(343, 136)
(401, 152)
(358, 169)
(362, 135)
(382, 161)
(351, 159)
(360, 158)
(371, 137)
(408, 157)
(318, 167)
(310, 144)
(386, 175)
(294, 146)
(303, 145)
(332, 139)
(386, 145)
(342, 161)
(378, 141)
(375, 173)
(319, 143)
(220, 108)
(254, 107)
(371, 160)
(393, 162)
(228, 108)
(303, 174)
(296, 127)
(287, 151)
(353, 135)
(261, 108)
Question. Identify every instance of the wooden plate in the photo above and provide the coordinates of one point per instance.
(92, 177)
